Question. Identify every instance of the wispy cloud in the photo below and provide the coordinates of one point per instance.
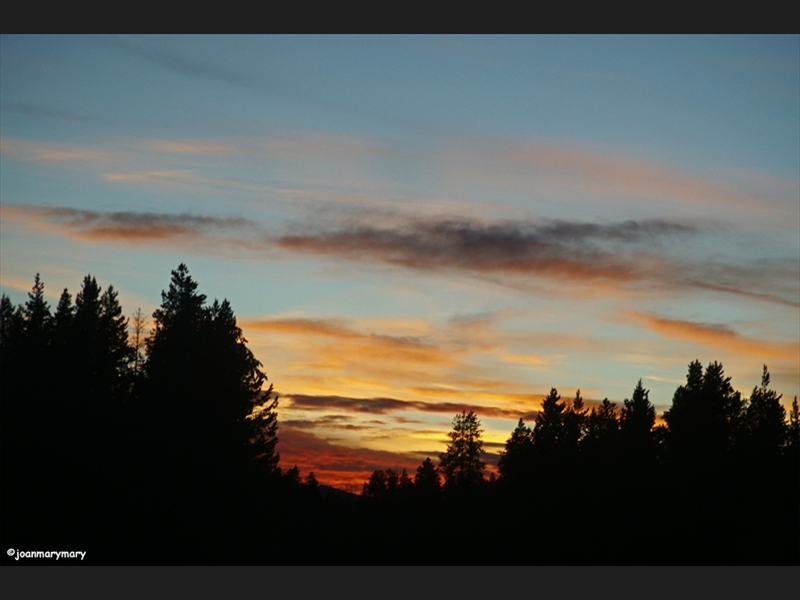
(530, 166)
(386, 405)
(632, 254)
(717, 336)
(559, 249)
(51, 151)
(373, 347)
(126, 226)
(629, 253)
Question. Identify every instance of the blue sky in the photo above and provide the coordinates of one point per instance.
(423, 223)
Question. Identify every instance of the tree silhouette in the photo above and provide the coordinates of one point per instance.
(100, 339)
(36, 311)
(204, 384)
(706, 414)
(515, 460)
(602, 427)
(574, 423)
(461, 464)
(764, 421)
(426, 479)
(263, 432)
(793, 433)
(637, 418)
(175, 466)
(549, 431)
(138, 325)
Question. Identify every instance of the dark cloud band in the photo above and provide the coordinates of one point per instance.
(386, 405)
(628, 253)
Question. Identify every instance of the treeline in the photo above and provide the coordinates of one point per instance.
(154, 442)
(137, 448)
(717, 483)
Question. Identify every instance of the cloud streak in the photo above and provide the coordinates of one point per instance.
(125, 225)
(716, 336)
(632, 254)
(388, 405)
(560, 249)
(373, 348)
(528, 166)
(52, 152)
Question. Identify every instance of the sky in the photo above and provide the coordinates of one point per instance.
(411, 226)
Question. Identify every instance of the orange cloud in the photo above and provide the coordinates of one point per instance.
(717, 336)
(350, 345)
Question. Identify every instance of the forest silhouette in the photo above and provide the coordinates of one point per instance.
(161, 448)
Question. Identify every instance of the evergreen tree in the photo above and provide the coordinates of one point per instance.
(426, 479)
(602, 426)
(10, 327)
(706, 413)
(138, 323)
(637, 419)
(638, 416)
(461, 464)
(574, 423)
(204, 385)
(549, 431)
(263, 431)
(794, 426)
(93, 348)
(65, 312)
(114, 333)
(36, 313)
(516, 460)
(764, 422)
(311, 481)
(377, 485)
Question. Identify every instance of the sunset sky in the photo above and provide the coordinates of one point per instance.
(408, 227)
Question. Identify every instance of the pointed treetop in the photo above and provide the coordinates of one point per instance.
(37, 311)
(180, 302)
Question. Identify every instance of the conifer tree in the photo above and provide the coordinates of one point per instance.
(638, 415)
(461, 464)
(515, 460)
(764, 421)
(549, 430)
(706, 413)
(205, 385)
(602, 426)
(793, 431)
(426, 479)
(574, 423)
(36, 312)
